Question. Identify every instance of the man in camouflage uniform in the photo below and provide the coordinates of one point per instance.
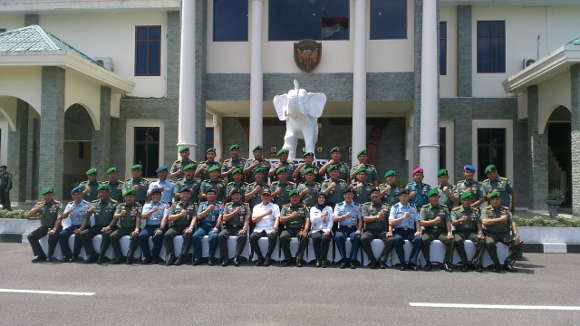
(257, 162)
(469, 184)
(467, 223)
(300, 172)
(202, 171)
(371, 171)
(138, 183)
(237, 183)
(500, 184)
(309, 189)
(128, 219)
(213, 183)
(115, 185)
(418, 190)
(232, 163)
(102, 210)
(254, 189)
(48, 209)
(389, 189)
(375, 217)
(176, 171)
(282, 155)
(5, 187)
(281, 188)
(234, 221)
(295, 223)
(361, 187)
(499, 225)
(178, 218)
(335, 159)
(190, 182)
(333, 187)
(90, 185)
(445, 189)
(436, 225)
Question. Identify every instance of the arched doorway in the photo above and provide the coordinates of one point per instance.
(78, 136)
(560, 153)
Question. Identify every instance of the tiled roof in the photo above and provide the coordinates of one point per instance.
(34, 38)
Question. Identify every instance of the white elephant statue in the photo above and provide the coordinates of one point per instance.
(301, 110)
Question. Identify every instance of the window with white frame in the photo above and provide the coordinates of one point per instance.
(493, 144)
(145, 143)
(447, 148)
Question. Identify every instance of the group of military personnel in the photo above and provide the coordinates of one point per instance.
(252, 198)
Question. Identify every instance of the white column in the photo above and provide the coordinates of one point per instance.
(256, 76)
(429, 140)
(359, 92)
(186, 123)
(217, 135)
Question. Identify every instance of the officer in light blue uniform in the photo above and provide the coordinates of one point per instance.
(405, 220)
(167, 186)
(418, 190)
(153, 212)
(206, 220)
(75, 211)
(349, 217)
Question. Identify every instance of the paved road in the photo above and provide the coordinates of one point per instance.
(186, 295)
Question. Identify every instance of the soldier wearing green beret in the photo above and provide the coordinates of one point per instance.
(309, 188)
(178, 217)
(234, 221)
(466, 221)
(282, 187)
(389, 189)
(214, 182)
(254, 189)
(202, 171)
(257, 162)
(236, 183)
(445, 189)
(176, 171)
(235, 161)
(371, 171)
(361, 187)
(436, 225)
(500, 184)
(115, 185)
(299, 174)
(102, 210)
(128, 220)
(333, 187)
(48, 209)
(375, 216)
(190, 182)
(295, 223)
(90, 185)
(335, 159)
(138, 183)
(469, 184)
(282, 155)
(499, 226)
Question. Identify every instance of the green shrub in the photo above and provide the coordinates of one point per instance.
(543, 221)
(17, 213)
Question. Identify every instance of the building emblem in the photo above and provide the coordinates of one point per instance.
(307, 54)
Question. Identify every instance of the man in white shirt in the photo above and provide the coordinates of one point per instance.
(265, 216)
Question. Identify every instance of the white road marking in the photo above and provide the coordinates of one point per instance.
(46, 292)
(491, 306)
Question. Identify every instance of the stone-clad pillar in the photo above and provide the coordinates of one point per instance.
(256, 76)
(575, 84)
(538, 151)
(17, 152)
(464, 52)
(359, 93)
(101, 143)
(51, 154)
(429, 133)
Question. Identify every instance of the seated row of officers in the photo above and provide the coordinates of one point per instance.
(280, 211)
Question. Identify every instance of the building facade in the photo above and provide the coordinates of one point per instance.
(488, 82)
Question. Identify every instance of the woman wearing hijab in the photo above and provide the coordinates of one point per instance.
(320, 229)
